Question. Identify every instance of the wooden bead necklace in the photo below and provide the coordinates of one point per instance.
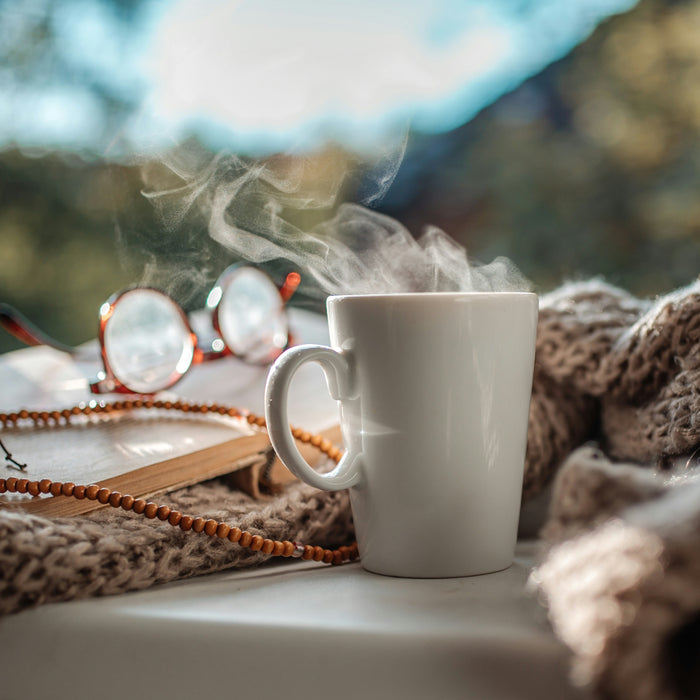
(149, 509)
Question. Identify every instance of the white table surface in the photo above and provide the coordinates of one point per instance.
(287, 630)
(293, 630)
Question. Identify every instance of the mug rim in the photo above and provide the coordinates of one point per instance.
(426, 296)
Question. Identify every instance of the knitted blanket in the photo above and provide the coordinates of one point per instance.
(621, 566)
(621, 561)
(43, 560)
(622, 576)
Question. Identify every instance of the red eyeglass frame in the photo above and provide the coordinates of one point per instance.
(106, 382)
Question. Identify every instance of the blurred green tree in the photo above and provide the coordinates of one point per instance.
(590, 168)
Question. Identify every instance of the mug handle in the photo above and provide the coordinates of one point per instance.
(338, 374)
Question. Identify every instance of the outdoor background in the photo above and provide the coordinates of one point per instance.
(591, 167)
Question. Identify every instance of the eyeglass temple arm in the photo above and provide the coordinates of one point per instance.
(23, 329)
(289, 286)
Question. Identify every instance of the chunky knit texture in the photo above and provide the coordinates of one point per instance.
(621, 576)
(43, 560)
(621, 565)
(617, 369)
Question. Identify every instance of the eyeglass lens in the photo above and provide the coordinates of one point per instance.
(147, 342)
(251, 316)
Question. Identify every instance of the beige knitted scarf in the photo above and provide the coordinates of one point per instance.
(609, 367)
(621, 562)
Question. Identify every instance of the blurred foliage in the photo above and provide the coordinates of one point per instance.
(57, 242)
(590, 168)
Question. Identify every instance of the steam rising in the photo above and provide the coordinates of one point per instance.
(258, 211)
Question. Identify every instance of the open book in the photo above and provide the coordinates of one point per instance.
(144, 453)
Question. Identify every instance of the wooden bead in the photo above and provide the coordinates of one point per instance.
(186, 523)
(198, 524)
(163, 512)
(56, 488)
(308, 552)
(91, 492)
(175, 517)
(278, 548)
(127, 502)
(22, 485)
(327, 556)
(150, 510)
(33, 488)
(139, 505)
(246, 539)
(79, 491)
(318, 553)
(115, 499)
(103, 495)
(68, 488)
(223, 530)
(3, 486)
(316, 440)
(11, 484)
(256, 543)
(337, 558)
(210, 527)
(234, 534)
(23, 414)
(267, 546)
(288, 548)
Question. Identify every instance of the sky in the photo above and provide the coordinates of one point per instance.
(259, 76)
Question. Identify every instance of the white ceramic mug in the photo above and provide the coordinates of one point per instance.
(434, 393)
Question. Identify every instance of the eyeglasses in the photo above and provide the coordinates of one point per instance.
(147, 341)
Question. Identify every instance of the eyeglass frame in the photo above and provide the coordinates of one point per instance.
(106, 381)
